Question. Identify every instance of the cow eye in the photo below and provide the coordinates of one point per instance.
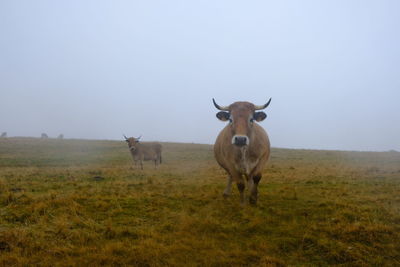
(251, 120)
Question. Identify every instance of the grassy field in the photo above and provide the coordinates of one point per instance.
(81, 203)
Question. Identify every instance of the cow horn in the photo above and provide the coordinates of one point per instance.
(139, 137)
(126, 138)
(263, 106)
(219, 107)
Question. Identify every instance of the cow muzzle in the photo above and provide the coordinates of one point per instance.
(240, 140)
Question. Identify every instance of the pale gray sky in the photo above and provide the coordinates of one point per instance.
(98, 69)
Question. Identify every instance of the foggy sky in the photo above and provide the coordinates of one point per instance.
(100, 69)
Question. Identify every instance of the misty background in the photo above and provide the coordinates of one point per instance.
(100, 69)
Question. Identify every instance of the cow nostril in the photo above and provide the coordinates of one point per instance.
(240, 140)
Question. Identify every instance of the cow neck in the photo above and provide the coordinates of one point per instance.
(241, 152)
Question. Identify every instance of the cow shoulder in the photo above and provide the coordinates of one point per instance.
(260, 145)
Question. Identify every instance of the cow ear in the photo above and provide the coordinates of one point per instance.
(259, 116)
(223, 116)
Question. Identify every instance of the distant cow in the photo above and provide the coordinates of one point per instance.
(242, 148)
(44, 136)
(61, 136)
(4, 134)
(144, 151)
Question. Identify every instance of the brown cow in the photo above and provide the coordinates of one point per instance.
(144, 151)
(242, 148)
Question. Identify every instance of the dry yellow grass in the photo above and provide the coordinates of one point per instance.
(81, 203)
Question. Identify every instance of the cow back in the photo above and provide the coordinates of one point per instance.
(147, 151)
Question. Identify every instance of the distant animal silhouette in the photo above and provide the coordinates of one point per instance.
(44, 136)
(144, 151)
(61, 136)
(4, 134)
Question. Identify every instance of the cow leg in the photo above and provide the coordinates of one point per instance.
(234, 176)
(238, 178)
(250, 184)
(227, 191)
(240, 186)
(254, 189)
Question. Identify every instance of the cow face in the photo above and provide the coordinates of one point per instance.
(241, 117)
(132, 142)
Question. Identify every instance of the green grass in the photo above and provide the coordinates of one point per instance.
(82, 203)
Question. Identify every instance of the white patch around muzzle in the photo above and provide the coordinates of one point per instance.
(240, 140)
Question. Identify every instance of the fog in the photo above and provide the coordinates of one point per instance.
(100, 69)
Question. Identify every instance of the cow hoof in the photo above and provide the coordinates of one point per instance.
(253, 201)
